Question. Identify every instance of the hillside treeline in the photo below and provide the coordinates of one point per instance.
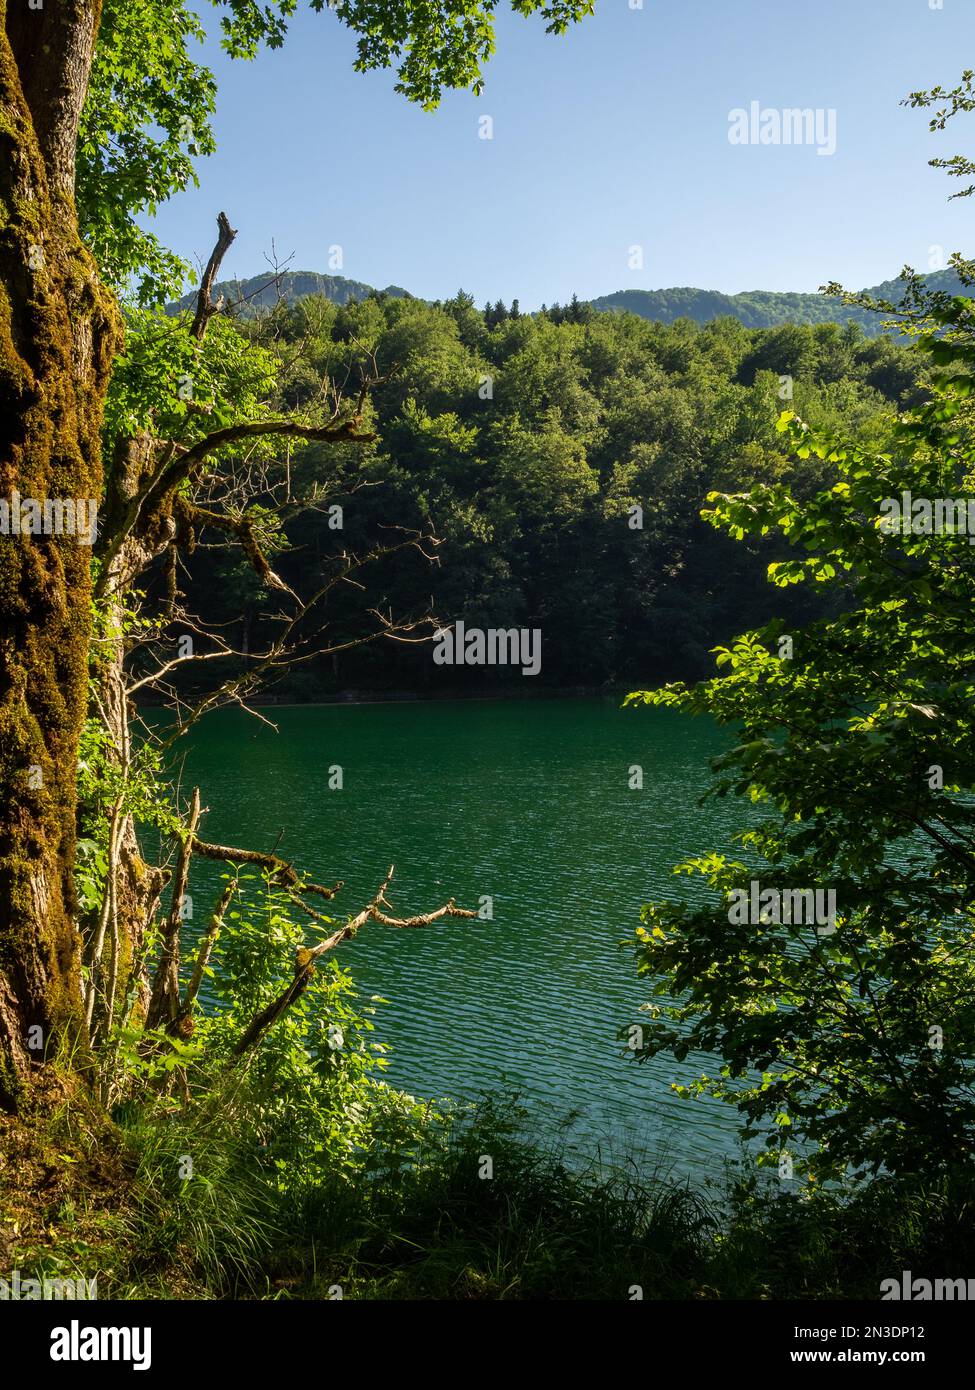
(560, 461)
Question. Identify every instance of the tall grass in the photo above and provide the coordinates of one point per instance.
(536, 1228)
(424, 1220)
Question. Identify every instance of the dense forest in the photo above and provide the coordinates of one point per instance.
(561, 461)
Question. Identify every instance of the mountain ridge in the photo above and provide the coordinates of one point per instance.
(763, 308)
(753, 308)
(264, 291)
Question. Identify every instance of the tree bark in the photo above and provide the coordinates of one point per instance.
(59, 331)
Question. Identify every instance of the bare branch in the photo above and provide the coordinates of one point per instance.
(283, 872)
(205, 308)
(207, 943)
(305, 960)
(241, 527)
(164, 1000)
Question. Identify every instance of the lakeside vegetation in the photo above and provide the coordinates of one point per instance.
(306, 496)
(417, 1221)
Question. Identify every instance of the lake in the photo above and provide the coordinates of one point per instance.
(527, 802)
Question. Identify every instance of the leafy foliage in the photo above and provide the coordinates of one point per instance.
(439, 44)
(851, 1049)
(147, 117)
(314, 1082)
(527, 448)
(958, 99)
(169, 385)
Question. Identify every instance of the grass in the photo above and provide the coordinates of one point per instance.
(81, 1197)
(843, 1244)
(534, 1229)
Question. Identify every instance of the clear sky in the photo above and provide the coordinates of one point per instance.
(612, 136)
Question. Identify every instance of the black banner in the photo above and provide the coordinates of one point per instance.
(295, 1337)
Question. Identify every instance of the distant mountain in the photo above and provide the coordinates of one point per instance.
(763, 308)
(264, 291)
(755, 308)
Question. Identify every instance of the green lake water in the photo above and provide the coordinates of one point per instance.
(527, 802)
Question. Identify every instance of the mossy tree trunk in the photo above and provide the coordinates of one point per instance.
(59, 330)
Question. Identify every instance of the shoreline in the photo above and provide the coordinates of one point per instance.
(357, 698)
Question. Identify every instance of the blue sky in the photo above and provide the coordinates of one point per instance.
(612, 136)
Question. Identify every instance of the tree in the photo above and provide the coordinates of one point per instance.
(451, 428)
(849, 1030)
(844, 1020)
(60, 331)
(959, 99)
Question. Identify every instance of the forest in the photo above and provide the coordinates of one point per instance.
(297, 499)
(765, 309)
(560, 463)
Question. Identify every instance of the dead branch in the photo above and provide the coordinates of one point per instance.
(285, 651)
(282, 872)
(207, 943)
(171, 666)
(177, 463)
(305, 960)
(205, 308)
(94, 948)
(164, 1000)
(190, 514)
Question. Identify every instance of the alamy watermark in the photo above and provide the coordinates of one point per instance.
(790, 125)
(908, 515)
(55, 516)
(17, 1289)
(926, 1290)
(494, 646)
(788, 906)
(77, 1343)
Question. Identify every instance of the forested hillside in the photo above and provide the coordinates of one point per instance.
(246, 298)
(754, 308)
(766, 308)
(559, 463)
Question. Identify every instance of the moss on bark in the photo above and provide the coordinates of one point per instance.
(59, 331)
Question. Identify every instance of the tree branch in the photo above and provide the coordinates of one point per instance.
(283, 872)
(205, 308)
(164, 1000)
(243, 528)
(305, 960)
(207, 943)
